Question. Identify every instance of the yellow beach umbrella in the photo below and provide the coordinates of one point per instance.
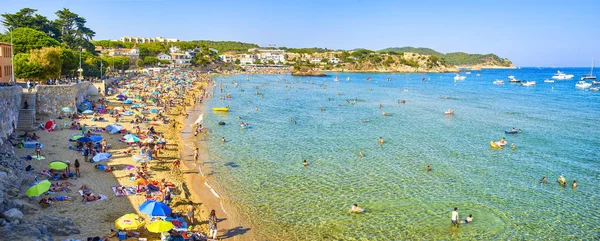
(129, 221)
(57, 165)
(38, 189)
(160, 226)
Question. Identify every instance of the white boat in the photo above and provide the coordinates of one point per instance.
(477, 75)
(595, 82)
(499, 82)
(511, 76)
(347, 78)
(528, 83)
(467, 72)
(583, 85)
(548, 81)
(336, 79)
(513, 80)
(591, 75)
(594, 89)
(563, 76)
(459, 77)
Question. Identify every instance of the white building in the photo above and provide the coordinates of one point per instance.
(315, 60)
(163, 56)
(180, 59)
(335, 60)
(147, 40)
(246, 58)
(174, 49)
(266, 55)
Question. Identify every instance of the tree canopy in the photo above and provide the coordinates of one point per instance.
(27, 18)
(27, 39)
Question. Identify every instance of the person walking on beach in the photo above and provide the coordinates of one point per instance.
(190, 213)
(455, 218)
(196, 155)
(212, 224)
(77, 168)
(104, 145)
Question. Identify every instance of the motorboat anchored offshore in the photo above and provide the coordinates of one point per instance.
(583, 85)
(528, 83)
(563, 76)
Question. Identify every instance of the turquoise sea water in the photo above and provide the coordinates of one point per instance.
(260, 169)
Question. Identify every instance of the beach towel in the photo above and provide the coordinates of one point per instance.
(38, 158)
(102, 198)
(128, 190)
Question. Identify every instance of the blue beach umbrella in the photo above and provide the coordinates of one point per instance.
(154, 111)
(114, 128)
(135, 106)
(120, 96)
(95, 138)
(101, 157)
(128, 113)
(127, 101)
(154, 208)
(66, 109)
(84, 139)
(88, 112)
(156, 92)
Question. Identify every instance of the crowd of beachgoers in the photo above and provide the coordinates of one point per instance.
(114, 164)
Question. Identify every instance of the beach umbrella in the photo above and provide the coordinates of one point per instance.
(142, 182)
(66, 109)
(160, 226)
(154, 111)
(88, 112)
(95, 138)
(130, 136)
(132, 139)
(38, 188)
(129, 221)
(140, 158)
(128, 113)
(76, 137)
(121, 96)
(127, 101)
(154, 208)
(101, 157)
(84, 139)
(135, 106)
(156, 93)
(57, 165)
(114, 128)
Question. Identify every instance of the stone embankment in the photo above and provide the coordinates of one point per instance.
(10, 101)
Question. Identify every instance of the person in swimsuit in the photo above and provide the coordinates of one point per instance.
(381, 141)
(305, 163)
(544, 180)
(428, 168)
(356, 209)
(190, 213)
(469, 219)
(455, 218)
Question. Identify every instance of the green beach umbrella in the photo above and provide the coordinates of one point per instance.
(57, 165)
(38, 189)
(130, 139)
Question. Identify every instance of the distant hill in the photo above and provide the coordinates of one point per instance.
(457, 58)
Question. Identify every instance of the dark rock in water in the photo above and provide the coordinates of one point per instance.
(221, 123)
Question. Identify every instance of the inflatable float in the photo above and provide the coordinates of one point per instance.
(222, 109)
(511, 131)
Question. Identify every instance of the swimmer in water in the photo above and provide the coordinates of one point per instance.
(381, 141)
(513, 146)
(223, 139)
(356, 209)
(305, 163)
(428, 168)
(291, 119)
(544, 181)
(256, 108)
(360, 154)
(574, 184)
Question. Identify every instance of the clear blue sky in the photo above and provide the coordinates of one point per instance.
(529, 32)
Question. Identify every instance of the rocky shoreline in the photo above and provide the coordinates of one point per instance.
(15, 205)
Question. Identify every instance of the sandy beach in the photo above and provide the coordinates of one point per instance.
(98, 218)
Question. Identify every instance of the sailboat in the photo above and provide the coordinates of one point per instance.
(591, 75)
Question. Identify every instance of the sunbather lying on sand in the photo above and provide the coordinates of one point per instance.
(91, 198)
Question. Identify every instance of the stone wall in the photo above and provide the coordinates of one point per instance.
(51, 98)
(10, 101)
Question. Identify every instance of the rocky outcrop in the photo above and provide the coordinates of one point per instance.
(15, 206)
(306, 71)
(10, 103)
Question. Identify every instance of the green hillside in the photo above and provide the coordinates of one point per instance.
(457, 58)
